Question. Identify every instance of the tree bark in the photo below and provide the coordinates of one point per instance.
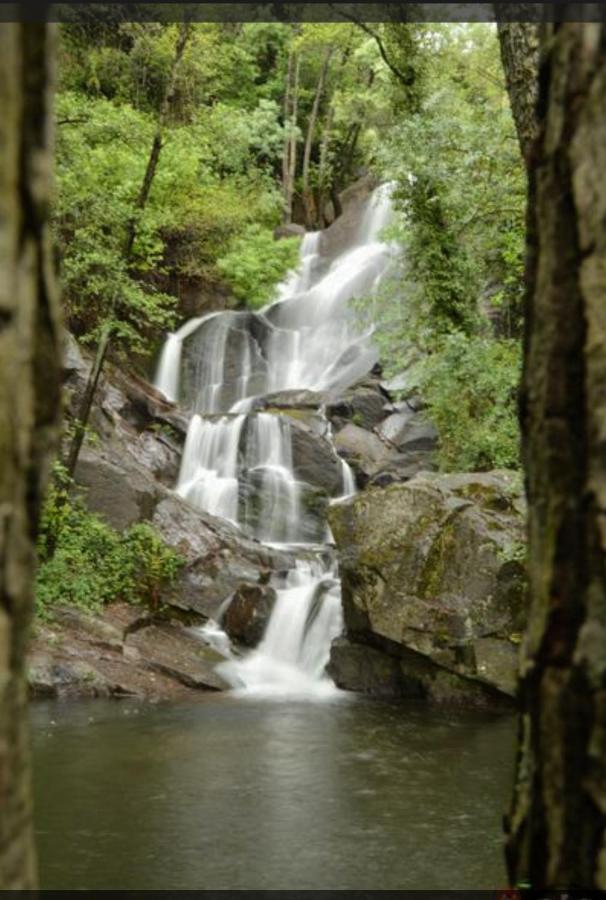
(557, 824)
(290, 151)
(286, 205)
(29, 402)
(519, 42)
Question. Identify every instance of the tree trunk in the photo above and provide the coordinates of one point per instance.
(308, 202)
(557, 825)
(323, 163)
(291, 157)
(519, 43)
(29, 403)
(103, 347)
(286, 206)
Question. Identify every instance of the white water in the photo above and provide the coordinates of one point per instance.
(293, 654)
(239, 465)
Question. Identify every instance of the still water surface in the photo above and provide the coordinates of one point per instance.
(234, 793)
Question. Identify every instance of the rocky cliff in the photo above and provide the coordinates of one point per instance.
(433, 588)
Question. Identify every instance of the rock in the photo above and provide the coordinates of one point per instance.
(302, 406)
(365, 404)
(341, 234)
(69, 677)
(363, 450)
(118, 651)
(358, 667)
(248, 613)
(409, 433)
(394, 426)
(174, 651)
(73, 360)
(289, 231)
(217, 557)
(431, 576)
(314, 460)
(139, 404)
(120, 495)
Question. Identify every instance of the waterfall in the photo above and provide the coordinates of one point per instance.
(169, 366)
(293, 654)
(209, 469)
(238, 463)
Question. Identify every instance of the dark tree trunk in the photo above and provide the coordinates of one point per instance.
(29, 403)
(557, 825)
(519, 43)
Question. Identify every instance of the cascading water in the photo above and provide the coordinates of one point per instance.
(238, 464)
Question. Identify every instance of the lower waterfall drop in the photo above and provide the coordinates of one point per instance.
(293, 654)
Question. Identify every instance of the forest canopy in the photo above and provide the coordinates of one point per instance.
(182, 148)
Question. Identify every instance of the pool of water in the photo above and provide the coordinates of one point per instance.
(236, 793)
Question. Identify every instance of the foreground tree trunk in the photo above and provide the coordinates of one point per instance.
(557, 826)
(519, 42)
(29, 403)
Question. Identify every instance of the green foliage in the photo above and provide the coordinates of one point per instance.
(86, 563)
(460, 185)
(470, 386)
(256, 263)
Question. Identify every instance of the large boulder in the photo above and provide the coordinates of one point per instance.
(365, 404)
(364, 451)
(314, 460)
(432, 577)
(246, 617)
(341, 234)
(120, 494)
(120, 650)
(218, 557)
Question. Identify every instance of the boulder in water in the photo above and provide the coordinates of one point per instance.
(432, 577)
(314, 460)
(247, 615)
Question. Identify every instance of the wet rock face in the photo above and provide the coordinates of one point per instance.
(119, 651)
(247, 615)
(218, 558)
(431, 577)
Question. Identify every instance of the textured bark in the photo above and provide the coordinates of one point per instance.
(519, 43)
(29, 402)
(291, 106)
(557, 825)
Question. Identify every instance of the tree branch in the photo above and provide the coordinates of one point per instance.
(405, 78)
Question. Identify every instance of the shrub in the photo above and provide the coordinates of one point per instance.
(256, 263)
(470, 385)
(85, 562)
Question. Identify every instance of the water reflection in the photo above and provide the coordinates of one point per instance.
(244, 794)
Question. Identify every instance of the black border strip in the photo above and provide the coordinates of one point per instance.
(168, 11)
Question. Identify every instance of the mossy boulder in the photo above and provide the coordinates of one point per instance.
(432, 567)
